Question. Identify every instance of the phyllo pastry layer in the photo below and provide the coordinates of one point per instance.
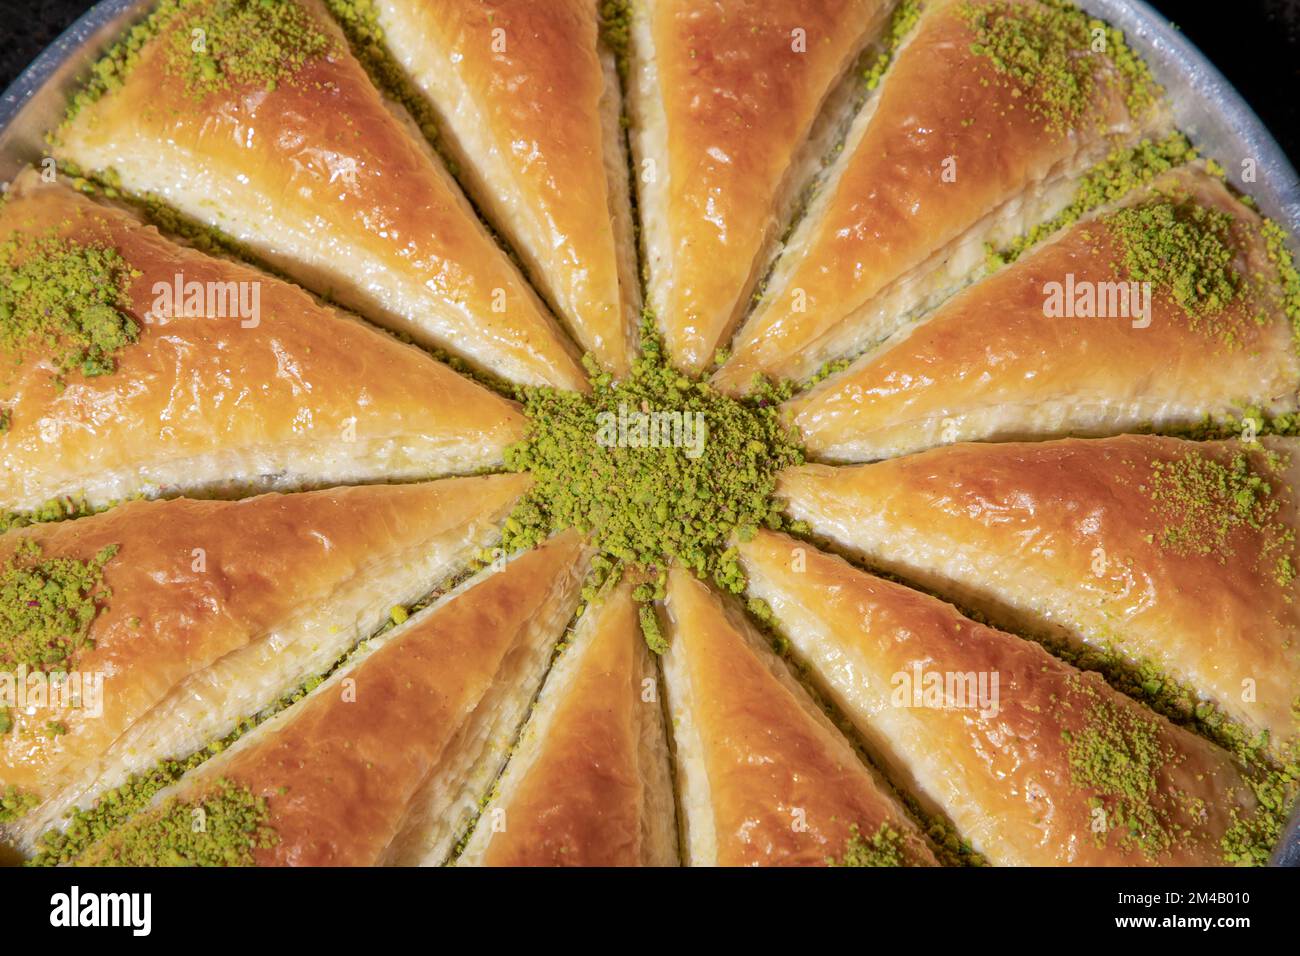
(1154, 314)
(528, 102)
(298, 157)
(765, 777)
(165, 370)
(589, 782)
(1173, 555)
(187, 616)
(990, 109)
(1036, 763)
(725, 101)
(385, 761)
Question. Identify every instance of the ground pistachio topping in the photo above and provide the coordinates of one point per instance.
(14, 803)
(1253, 421)
(1201, 501)
(257, 42)
(61, 508)
(1146, 681)
(1184, 249)
(1049, 51)
(65, 300)
(221, 828)
(1275, 242)
(47, 606)
(656, 468)
(883, 848)
(89, 825)
(1123, 171)
(616, 30)
(901, 23)
(220, 44)
(360, 22)
(1118, 754)
(111, 70)
(650, 629)
(1251, 837)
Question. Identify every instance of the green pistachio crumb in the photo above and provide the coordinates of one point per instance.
(650, 629)
(15, 803)
(47, 606)
(56, 509)
(64, 300)
(1123, 171)
(1252, 836)
(833, 367)
(1048, 53)
(884, 848)
(1202, 502)
(657, 468)
(221, 828)
(901, 23)
(244, 43)
(1181, 248)
(1275, 241)
(616, 30)
(1118, 754)
(111, 70)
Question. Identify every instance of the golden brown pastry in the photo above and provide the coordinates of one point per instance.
(209, 611)
(529, 104)
(724, 97)
(588, 783)
(1171, 553)
(765, 778)
(384, 762)
(1035, 762)
(926, 180)
(261, 388)
(990, 364)
(301, 159)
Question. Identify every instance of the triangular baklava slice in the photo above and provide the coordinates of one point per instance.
(253, 118)
(1033, 761)
(724, 101)
(528, 103)
(764, 776)
(180, 618)
(1154, 314)
(139, 366)
(589, 781)
(988, 111)
(385, 761)
(1175, 556)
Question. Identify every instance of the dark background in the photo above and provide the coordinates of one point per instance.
(1256, 43)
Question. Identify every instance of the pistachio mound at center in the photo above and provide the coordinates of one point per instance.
(657, 468)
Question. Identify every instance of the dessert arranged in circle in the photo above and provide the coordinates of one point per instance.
(706, 432)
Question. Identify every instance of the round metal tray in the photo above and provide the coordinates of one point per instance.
(1206, 107)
